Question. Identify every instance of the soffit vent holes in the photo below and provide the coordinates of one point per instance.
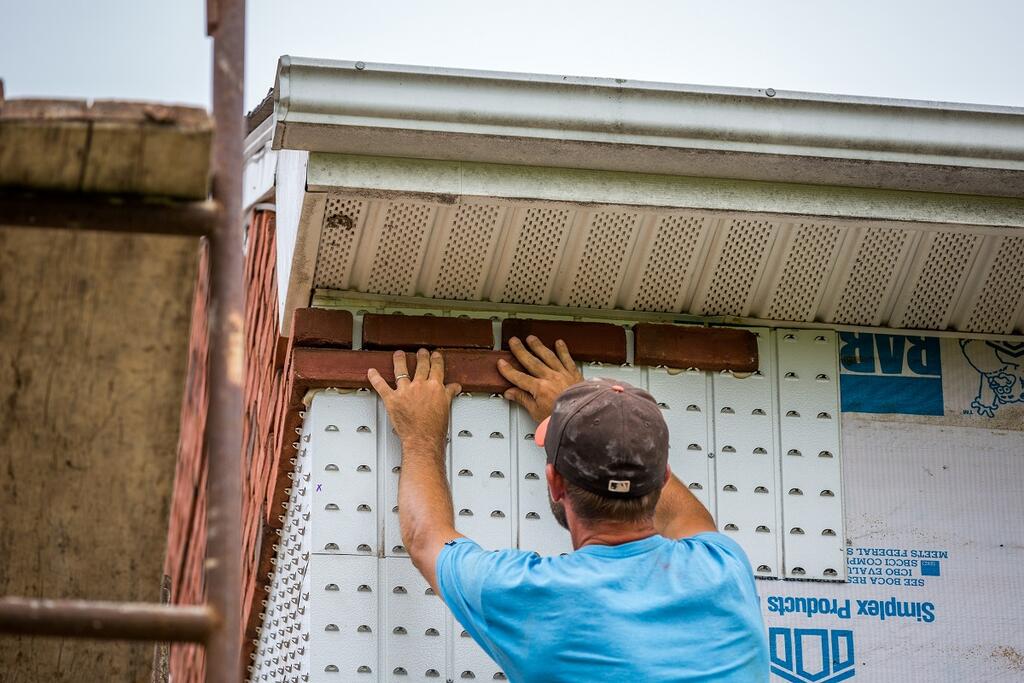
(804, 276)
(1003, 290)
(941, 279)
(536, 255)
(603, 260)
(670, 263)
(342, 218)
(400, 247)
(871, 276)
(474, 230)
(744, 251)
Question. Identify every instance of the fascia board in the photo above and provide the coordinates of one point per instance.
(448, 181)
(617, 125)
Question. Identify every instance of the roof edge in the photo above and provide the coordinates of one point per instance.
(620, 125)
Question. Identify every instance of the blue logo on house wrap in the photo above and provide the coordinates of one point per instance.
(811, 655)
(930, 568)
(889, 373)
(1001, 366)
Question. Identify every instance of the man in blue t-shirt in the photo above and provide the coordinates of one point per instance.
(652, 591)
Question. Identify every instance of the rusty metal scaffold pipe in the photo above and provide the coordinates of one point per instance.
(223, 434)
(106, 620)
(217, 624)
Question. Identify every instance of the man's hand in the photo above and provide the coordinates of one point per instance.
(418, 406)
(550, 373)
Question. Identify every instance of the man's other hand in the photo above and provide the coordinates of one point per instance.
(548, 374)
(418, 406)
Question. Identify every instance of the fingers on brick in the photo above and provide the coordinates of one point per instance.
(379, 384)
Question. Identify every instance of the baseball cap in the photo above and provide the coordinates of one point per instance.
(607, 437)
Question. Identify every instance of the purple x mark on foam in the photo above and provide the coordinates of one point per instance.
(318, 487)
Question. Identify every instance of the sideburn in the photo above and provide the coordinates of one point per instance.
(558, 510)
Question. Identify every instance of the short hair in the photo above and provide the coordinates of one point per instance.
(592, 507)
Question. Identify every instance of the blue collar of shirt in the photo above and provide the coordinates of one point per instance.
(625, 549)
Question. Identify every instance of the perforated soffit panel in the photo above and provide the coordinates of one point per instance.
(928, 277)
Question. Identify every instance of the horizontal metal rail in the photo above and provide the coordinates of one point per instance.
(111, 213)
(106, 620)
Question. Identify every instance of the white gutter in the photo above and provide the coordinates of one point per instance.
(617, 125)
(260, 166)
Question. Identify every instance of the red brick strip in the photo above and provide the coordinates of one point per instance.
(587, 341)
(476, 371)
(412, 332)
(322, 327)
(706, 348)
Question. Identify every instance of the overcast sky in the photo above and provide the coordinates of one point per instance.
(962, 51)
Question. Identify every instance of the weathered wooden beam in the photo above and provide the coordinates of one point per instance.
(105, 147)
(106, 212)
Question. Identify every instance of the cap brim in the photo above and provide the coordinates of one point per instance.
(541, 432)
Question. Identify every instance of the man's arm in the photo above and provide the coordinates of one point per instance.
(419, 408)
(679, 514)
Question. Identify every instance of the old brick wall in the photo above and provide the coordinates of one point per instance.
(186, 539)
(264, 387)
(186, 533)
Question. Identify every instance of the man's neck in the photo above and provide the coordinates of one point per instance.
(610, 533)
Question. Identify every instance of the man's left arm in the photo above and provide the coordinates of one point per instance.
(419, 408)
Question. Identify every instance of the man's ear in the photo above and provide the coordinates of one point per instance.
(556, 483)
(668, 473)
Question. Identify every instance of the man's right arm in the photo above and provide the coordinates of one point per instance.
(679, 514)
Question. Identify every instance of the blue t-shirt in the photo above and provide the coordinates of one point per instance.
(650, 610)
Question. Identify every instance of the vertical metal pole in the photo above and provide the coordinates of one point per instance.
(223, 438)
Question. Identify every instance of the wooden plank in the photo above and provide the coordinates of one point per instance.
(165, 149)
(106, 147)
(174, 162)
(91, 377)
(113, 158)
(43, 143)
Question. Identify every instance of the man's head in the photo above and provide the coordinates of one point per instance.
(607, 451)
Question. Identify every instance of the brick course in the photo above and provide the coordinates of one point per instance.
(412, 332)
(321, 327)
(476, 371)
(706, 348)
(587, 341)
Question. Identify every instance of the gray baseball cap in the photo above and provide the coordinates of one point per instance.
(607, 437)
